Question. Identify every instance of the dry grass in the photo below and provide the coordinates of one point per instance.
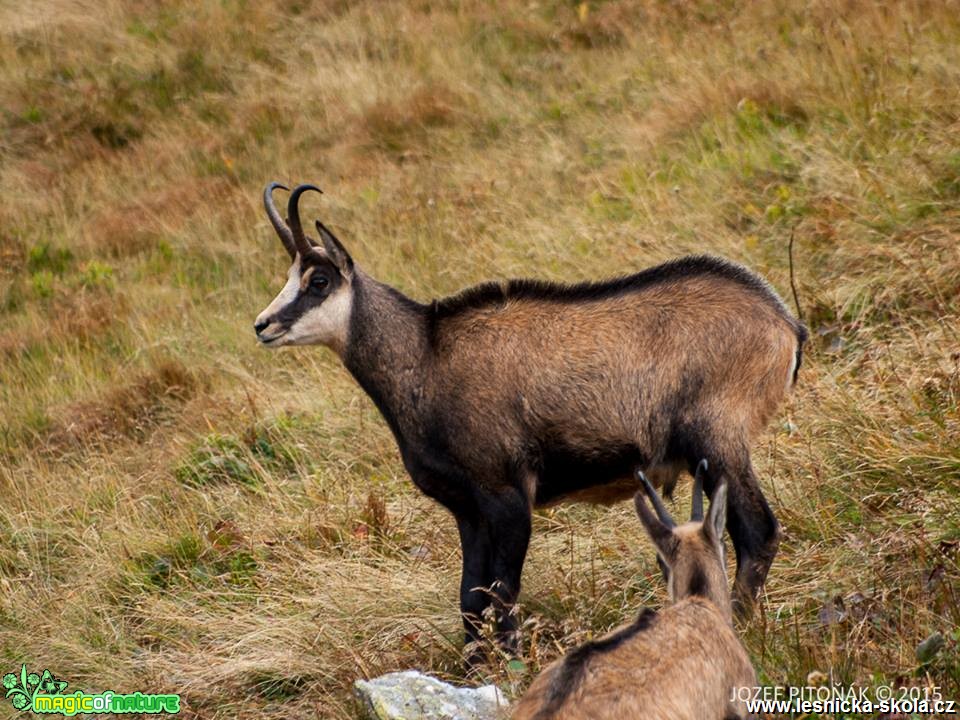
(184, 512)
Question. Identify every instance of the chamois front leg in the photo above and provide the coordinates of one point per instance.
(494, 545)
(474, 583)
(509, 526)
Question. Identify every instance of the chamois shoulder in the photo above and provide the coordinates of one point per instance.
(492, 294)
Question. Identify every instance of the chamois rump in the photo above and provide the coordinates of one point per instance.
(522, 393)
(682, 663)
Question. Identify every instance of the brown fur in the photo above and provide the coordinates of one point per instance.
(683, 663)
(608, 353)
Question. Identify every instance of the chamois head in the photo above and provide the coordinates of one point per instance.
(314, 306)
(691, 554)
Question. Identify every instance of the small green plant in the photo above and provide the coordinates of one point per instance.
(33, 115)
(42, 284)
(223, 556)
(230, 459)
(46, 256)
(97, 275)
(218, 459)
(159, 568)
(139, 28)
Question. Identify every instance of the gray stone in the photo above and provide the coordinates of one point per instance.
(411, 695)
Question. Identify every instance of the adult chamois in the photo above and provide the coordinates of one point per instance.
(523, 393)
(682, 663)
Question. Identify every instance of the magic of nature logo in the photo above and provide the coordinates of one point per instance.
(44, 694)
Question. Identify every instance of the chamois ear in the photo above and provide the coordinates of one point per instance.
(335, 250)
(660, 529)
(717, 515)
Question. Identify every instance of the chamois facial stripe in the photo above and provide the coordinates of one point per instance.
(285, 297)
(571, 672)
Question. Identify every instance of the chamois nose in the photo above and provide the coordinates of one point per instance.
(260, 326)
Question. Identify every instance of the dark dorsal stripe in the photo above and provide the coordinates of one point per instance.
(571, 672)
(698, 585)
(496, 293)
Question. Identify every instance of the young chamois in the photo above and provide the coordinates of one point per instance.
(522, 393)
(682, 663)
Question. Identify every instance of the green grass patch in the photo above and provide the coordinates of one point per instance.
(219, 559)
(218, 459)
(49, 258)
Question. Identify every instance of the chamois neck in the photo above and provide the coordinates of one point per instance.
(719, 597)
(704, 578)
(387, 349)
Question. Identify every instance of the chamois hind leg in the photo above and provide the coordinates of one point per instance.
(753, 529)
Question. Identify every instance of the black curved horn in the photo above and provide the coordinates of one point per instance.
(293, 215)
(286, 237)
(696, 511)
(662, 513)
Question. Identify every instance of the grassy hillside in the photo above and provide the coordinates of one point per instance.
(183, 511)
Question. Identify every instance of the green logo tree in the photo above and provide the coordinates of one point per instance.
(22, 689)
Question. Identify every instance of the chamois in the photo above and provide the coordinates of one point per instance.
(522, 393)
(682, 663)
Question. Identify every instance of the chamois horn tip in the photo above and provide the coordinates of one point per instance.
(303, 187)
(293, 214)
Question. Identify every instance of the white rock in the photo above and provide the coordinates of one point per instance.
(411, 695)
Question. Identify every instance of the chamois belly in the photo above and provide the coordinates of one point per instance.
(600, 478)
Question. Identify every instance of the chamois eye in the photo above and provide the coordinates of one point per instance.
(319, 282)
